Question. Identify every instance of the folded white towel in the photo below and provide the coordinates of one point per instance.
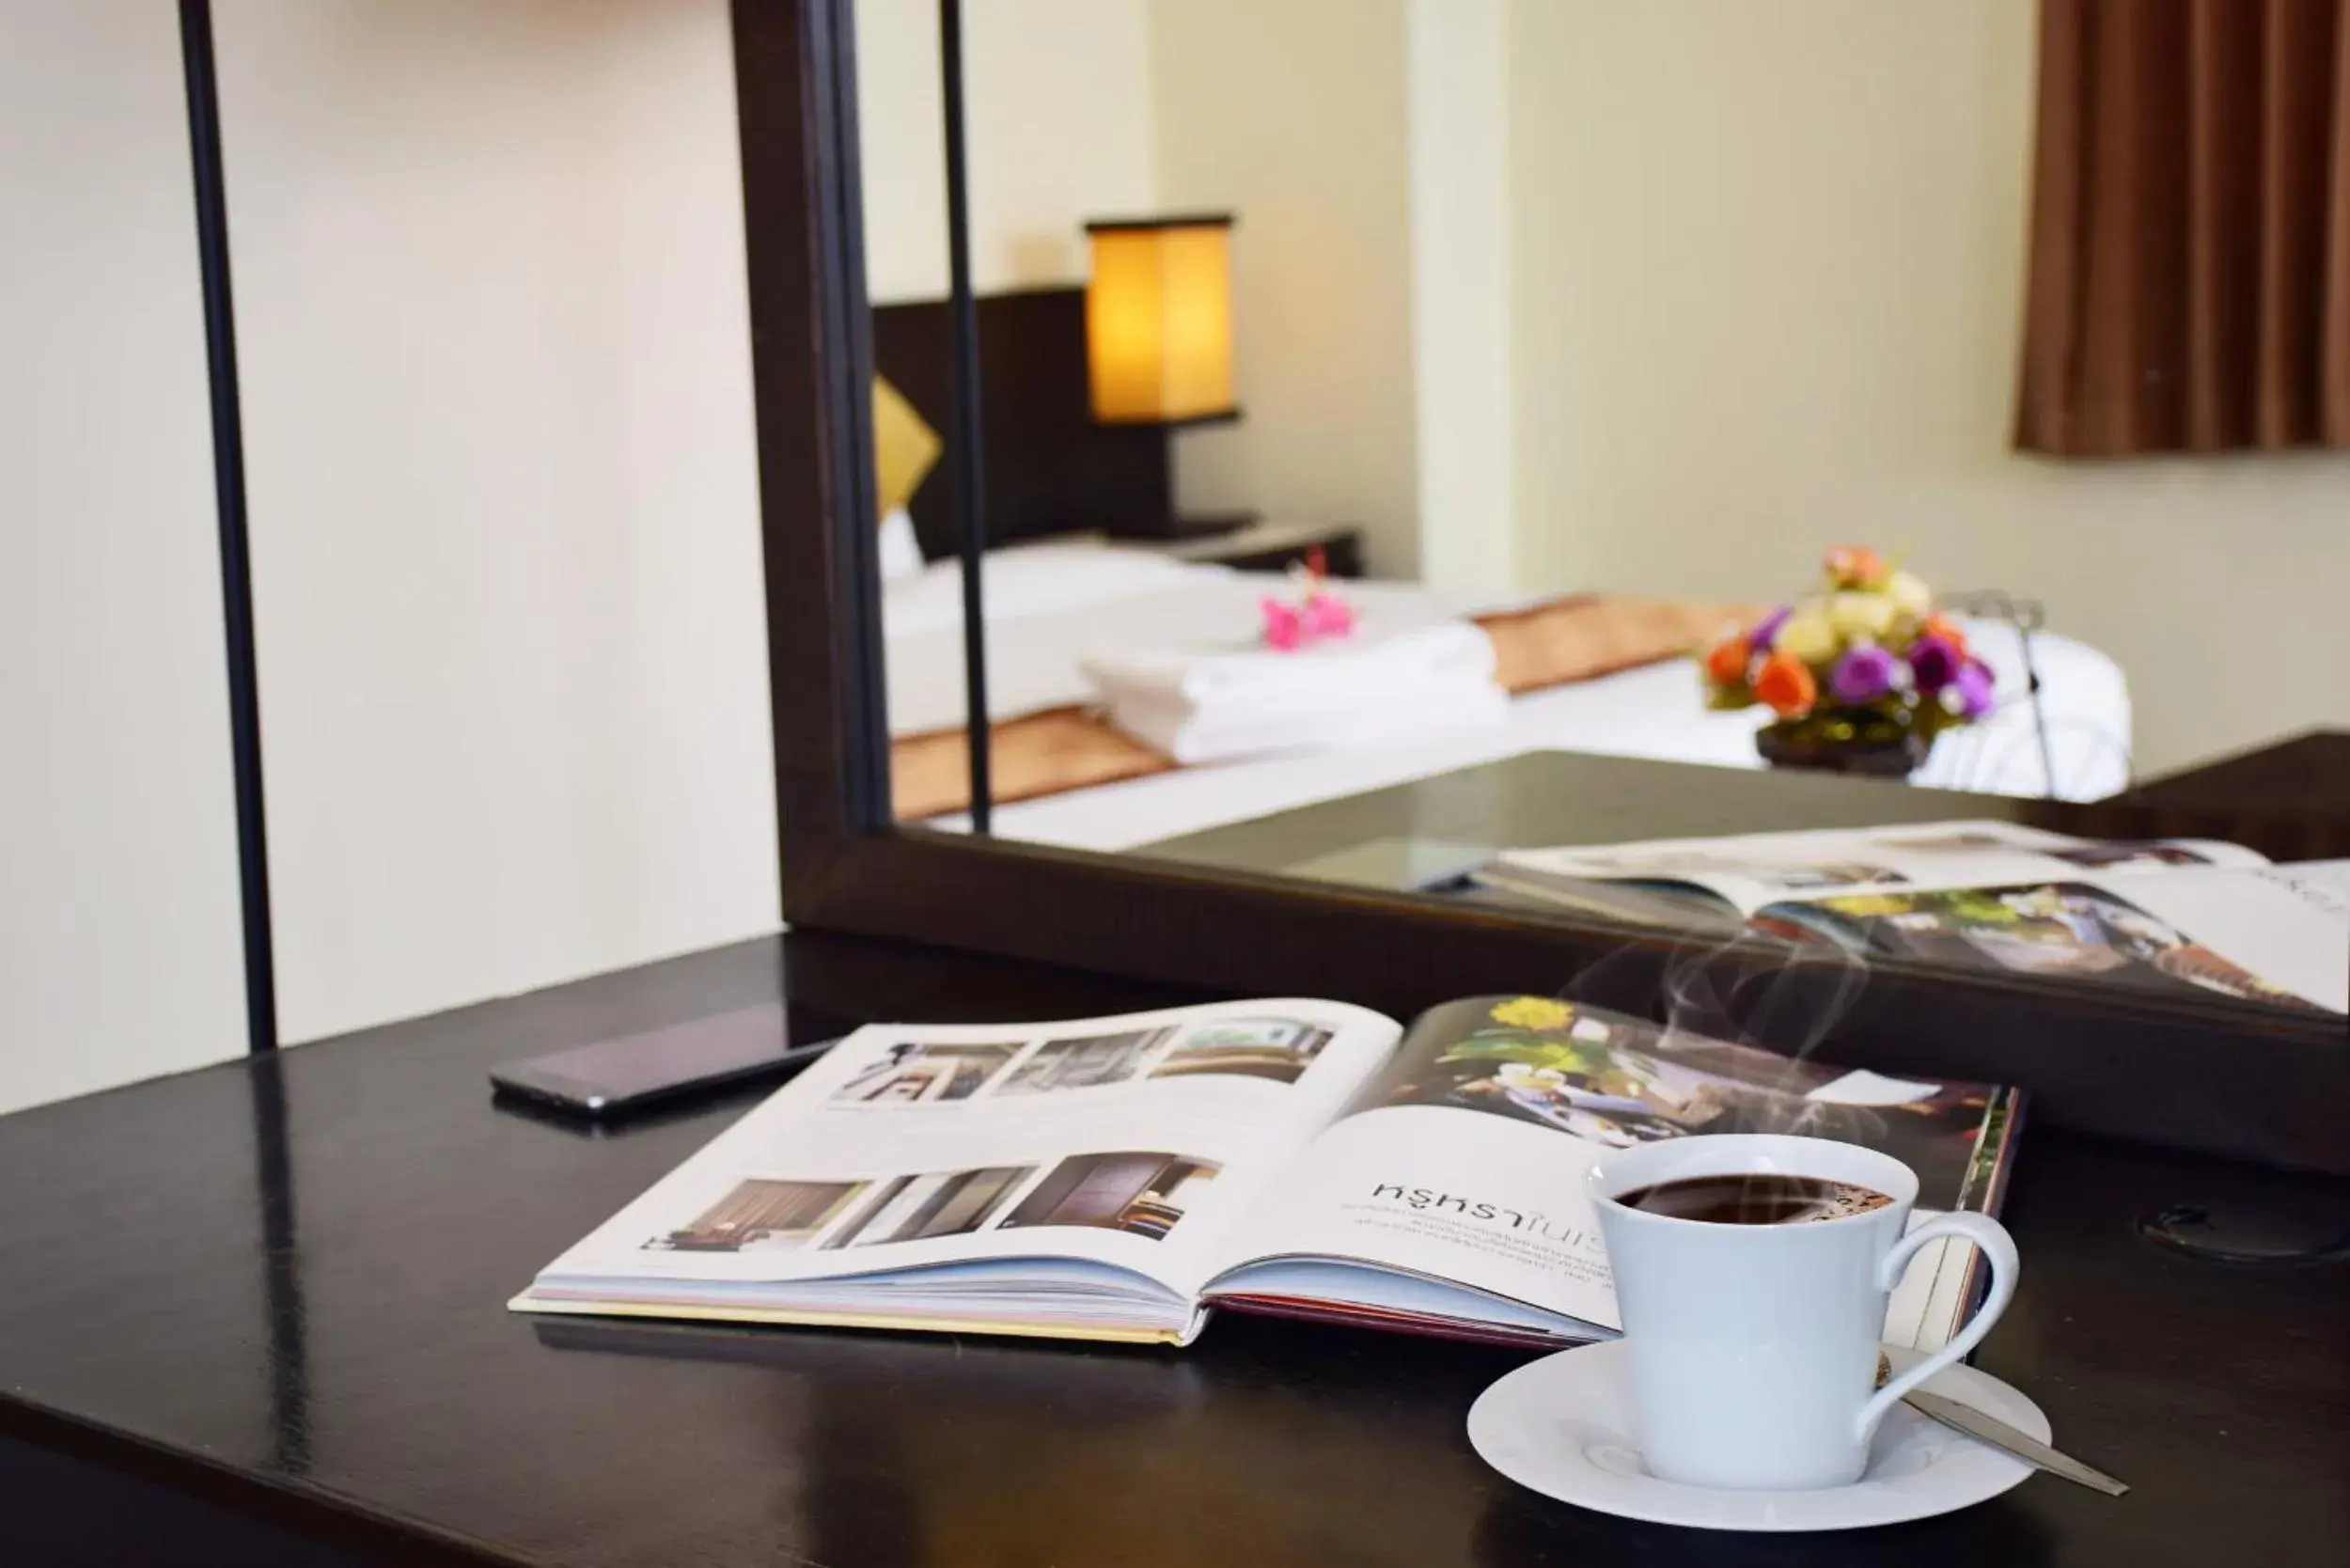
(1404, 673)
(1386, 648)
(1419, 711)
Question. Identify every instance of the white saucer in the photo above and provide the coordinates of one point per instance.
(1562, 1427)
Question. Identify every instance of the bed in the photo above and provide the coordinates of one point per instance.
(1049, 604)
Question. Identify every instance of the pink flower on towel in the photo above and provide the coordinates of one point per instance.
(1284, 625)
(1327, 616)
(1317, 616)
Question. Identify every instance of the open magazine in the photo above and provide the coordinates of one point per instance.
(1116, 1178)
(2180, 916)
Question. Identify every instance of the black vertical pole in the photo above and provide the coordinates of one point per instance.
(287, 1366)
(236, 568)
(970, 487)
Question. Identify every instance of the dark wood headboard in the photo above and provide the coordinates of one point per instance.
(1049, 468)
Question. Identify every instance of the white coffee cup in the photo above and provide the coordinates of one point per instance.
(1753, 1348)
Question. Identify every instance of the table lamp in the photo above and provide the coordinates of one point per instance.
(1159, 338)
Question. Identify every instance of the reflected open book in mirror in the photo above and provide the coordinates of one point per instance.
(1117, 1178)
(2175, 917)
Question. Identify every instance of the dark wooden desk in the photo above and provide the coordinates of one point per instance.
(255, 1313)
(2307, 774)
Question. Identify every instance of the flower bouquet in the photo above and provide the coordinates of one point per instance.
(1862, 673)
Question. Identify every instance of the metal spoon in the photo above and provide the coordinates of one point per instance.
(2007, 1439)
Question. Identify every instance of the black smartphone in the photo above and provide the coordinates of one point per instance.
(613, 1078)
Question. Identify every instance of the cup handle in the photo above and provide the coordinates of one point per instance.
(1998, 1249)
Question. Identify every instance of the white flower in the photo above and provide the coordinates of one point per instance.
(1861, 615)
(1806, 636)
(1909, 594)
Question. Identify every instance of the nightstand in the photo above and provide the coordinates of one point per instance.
(1271, 545)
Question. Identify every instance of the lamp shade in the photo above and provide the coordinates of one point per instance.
(1159, 320)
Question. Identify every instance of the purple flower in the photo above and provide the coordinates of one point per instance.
(1765, 631)
(1863, 675)
(1935, 661)
(1973, 689)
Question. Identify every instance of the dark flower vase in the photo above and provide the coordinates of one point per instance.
(1867, 742)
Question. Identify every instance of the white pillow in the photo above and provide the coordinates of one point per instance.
(901, 552)
(1045, 577)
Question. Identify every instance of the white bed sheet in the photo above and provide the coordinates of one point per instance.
(1047, 605)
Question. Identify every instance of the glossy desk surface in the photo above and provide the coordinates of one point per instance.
(2286, 801)
(280, 1288)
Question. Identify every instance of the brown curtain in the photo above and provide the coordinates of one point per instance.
(2189, 284)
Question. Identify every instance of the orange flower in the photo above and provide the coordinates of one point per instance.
(1854, 566)
(1787, 685)
(1940, 626)
(1726, 663)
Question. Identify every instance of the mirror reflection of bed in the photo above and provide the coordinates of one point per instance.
(1579, 381)
(1064, 603)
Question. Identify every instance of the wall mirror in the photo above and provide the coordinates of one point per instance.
(1391, 430)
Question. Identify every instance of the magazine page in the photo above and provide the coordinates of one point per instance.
(1752, 871)
(1679, 905)
(2326, 883)
(2274, 934)
(1135, 1141)
(1463, 1161)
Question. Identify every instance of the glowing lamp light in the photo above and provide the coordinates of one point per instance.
(1159, 320)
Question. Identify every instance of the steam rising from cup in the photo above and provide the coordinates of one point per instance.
(1743, 988)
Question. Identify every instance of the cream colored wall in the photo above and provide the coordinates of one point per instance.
(498, 413)
(504, 502)
(1058, 130)
(119, 953)
(1456, 71)
(1767, 286)
(1295, 115)
(504, 499)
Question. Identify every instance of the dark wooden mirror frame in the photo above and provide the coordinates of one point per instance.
(2093, 1060)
